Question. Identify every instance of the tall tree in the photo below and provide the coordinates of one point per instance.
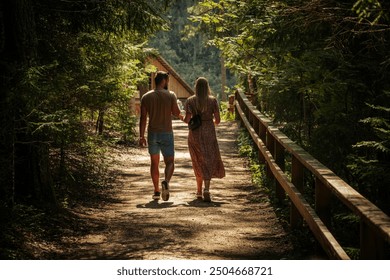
(320, 69)
(187, 50)
(60, 59)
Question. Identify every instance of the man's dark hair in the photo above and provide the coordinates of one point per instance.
(160, 76)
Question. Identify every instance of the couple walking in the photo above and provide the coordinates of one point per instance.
(160, 104)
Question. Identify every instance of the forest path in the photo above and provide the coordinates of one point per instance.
(238, 224)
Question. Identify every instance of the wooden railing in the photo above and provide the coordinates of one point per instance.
(273, 146)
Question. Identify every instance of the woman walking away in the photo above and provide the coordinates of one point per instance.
(202, 142)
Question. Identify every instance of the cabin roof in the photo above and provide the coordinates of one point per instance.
(172, 72)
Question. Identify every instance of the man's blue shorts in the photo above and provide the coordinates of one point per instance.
(161, 142)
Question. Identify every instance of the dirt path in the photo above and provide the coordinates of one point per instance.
(238, 224)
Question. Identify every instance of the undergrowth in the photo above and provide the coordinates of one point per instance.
(304, 242)
(225, 113)
(83, 179)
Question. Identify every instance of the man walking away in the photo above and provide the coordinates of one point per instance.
(159, 104)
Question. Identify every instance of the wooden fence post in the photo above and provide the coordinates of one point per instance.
(256, 124)
(238, 101)
(270, 146)
(250, 117)
(297, 178)
(280, 161)
(262, 132)
(323, 197)
(270, 142)
(231, 104)
(247, 112)
(371, 245)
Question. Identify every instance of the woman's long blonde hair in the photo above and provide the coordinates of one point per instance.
(202, 92)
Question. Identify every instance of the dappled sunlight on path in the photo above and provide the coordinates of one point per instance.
(238, 224)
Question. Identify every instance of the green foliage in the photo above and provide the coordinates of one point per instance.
(225, 113)
(371, 10)
(92, 72)
(245, 144)
(303, 239)
(370, 162)
(84, 59)
(187, 50)
(63, 63)
(314, 66)
(247, 149)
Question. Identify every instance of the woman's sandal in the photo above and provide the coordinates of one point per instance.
(199, 196)
(206, 196)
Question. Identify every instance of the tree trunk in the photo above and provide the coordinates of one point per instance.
(30, 175)
(223, 79)
(100, 122)
(252, 90)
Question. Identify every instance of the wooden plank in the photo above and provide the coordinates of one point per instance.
(323, 197)
(270, 146)
(255, 125)
(270, 142)
(250, 117)
(357, 203)
(297, 178)
(319, 229)
(280, 161)
(367, 211)
(279, 155)
(371, 246)
(323, 235)
(261, 157)
(262, 132)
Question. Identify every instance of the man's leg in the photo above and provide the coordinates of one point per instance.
(169, 167)
(168, 151)
(154, 171)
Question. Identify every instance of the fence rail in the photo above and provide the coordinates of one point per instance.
(273, 145)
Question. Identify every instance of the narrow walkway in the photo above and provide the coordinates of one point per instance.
(238, 224)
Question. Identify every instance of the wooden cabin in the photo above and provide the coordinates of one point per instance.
(176, 83)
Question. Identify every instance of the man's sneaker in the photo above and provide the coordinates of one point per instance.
(206, 196)
(165, 190)
(156, 196)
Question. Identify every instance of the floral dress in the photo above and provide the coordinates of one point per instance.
(203, 144)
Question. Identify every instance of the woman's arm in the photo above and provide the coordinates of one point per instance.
(187, 109)
(187, 117)
(217, 116)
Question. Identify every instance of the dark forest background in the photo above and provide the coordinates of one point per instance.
(320, 70)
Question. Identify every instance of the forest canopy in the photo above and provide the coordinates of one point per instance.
(66, 66)
(188, 51)
(329, 61)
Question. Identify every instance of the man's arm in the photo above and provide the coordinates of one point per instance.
(142, 125)
(175, 107)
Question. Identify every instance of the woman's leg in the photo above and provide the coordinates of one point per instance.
(199, 182)
(207, 184)
(206, 192)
